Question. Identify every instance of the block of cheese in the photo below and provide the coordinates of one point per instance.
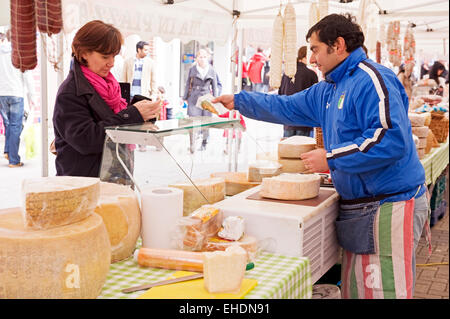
(294, 146)
(249, 243)
(420, 131)
(211, 188)
(58, 200)
(290, 165)
(291, 186)
(422, 142)
(235, 182)
(417, 119)
(192, 231)
(169, 259)
(70, 261)
(223, 271)
(119, 207)
(262, 168)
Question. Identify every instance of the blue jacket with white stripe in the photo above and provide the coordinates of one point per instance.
(362, 109)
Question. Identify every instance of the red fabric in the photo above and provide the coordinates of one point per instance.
(163, 113)
(108, 88)
(244, 70)
(255, 67)
(227, 115)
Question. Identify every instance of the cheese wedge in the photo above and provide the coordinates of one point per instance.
(294, 146)
(70, 261)
(119, 207)
(223, 271)
(291, 186)
(58, 200)
(206, 105)
(212, 188)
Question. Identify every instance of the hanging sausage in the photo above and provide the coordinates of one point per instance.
(23, 35)
(49, 16)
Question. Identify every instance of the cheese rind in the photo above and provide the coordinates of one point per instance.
(235, 182)
(58, 200)
(294, 146)
(291, 186)
(420, 131)
(223, 271)
(212, 188)
(290, 165)
(70, 261)
(119, 207)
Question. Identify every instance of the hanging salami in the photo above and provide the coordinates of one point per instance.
(23, 34)
(49, 16)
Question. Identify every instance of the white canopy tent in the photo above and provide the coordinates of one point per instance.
(236, 21)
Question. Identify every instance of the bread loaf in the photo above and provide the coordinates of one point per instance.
(291, 186)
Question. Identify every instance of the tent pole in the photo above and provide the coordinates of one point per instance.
(44, 115)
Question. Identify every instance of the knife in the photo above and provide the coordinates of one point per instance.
(172, 281)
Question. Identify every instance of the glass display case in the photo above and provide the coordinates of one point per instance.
(172, 153)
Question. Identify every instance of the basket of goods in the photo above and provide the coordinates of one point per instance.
(439, 126)
(319, 137)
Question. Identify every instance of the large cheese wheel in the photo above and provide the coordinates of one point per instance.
(119, 207)
(290, 165)
(58, 200)
(211, 188)
(291, 186)
(417, 119)
(70, 261)
(420, 131)
(294, 146)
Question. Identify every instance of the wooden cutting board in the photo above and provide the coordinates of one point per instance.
(193, 289)
(316, 201)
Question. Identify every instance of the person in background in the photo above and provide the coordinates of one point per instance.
(435, 74)
(201, 80)
(404, 76)
(89, 100)
(255, 69)
(424, 69)
(265, 75)
(246, 84)
(369, 150)
(13, 85)
(304, 78)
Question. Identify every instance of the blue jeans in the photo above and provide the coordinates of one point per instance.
(11, 109)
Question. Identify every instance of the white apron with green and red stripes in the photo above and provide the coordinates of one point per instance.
(387, 274)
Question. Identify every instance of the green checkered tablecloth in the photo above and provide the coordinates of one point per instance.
(435, 162)
(279, 277)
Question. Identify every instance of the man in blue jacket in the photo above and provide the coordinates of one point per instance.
(362, 109)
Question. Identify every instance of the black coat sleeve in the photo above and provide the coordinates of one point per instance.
(75, 123)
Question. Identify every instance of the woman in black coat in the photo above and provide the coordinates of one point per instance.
(83, 108)
(202, 79)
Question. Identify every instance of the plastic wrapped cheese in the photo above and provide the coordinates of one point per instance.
(192, 231)
(294, 146)
(291, 186)
(420, 131)
(223, 271)
(59, 200)
(169, 259)
(249, 243)
(70, 261)
(119, 207)
(211, 188)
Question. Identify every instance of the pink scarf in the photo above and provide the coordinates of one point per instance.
(108, 88)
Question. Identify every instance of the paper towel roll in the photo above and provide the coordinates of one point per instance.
(161, 207)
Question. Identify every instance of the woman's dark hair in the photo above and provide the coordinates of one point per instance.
(96, 36)
(338, 25)
(434, 71)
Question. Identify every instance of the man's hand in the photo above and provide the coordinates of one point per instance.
(148, 109)
(226, 100)
(315, 161)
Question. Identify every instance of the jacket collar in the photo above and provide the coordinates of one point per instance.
(82, 85)
(209, 74)
(346, 67)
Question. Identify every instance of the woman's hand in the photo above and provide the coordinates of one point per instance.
(226, 100)
(148, 109)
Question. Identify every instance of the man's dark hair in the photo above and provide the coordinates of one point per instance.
(140, 45)
(338, 25)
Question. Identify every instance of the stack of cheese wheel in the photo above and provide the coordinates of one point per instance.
(213, 189)
(119, 207)
(289, 151)
(288, 186)
(52, 248)
(420, 130)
